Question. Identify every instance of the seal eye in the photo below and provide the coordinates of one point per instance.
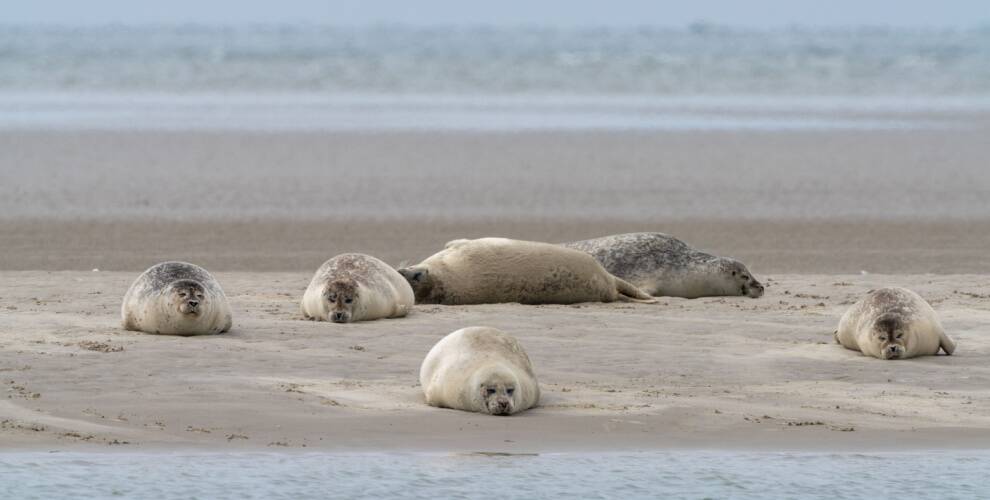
(490, 391)
(900, 335)
(183, 294)
(348, 301)
(510, 390)
(332, 298)
(745, 277)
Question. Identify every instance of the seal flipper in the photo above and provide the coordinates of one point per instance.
(946, 343)
(629, 293)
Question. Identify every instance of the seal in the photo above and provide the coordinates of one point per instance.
(495, 270)
(176, 298)
(479, 369)
(893, 323)
(356, 287)
(663, 265)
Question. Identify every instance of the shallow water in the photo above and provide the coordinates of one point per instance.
(673, 474)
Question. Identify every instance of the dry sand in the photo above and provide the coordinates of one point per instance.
(712, 373)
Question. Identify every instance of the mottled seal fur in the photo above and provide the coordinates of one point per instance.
(176, 298)
(479, 369)
(356, 287)
(893, 323)
(495, 270)
(663, 265)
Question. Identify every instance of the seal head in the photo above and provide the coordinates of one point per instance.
(741, 279)
(422, 283)
(341, 296)
(497, 391)
(889, 333)
(188, 297)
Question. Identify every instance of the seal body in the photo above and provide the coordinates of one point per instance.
(356, 287)
(479, 369)
(495, 270)
(663, 265)
(176, 298)
(893, 323)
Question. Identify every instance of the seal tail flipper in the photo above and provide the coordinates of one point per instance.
(946, 343)
(835, 335)
(630, 293)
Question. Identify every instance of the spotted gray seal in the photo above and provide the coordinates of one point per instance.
(176, 298)
(356, 287)
(893, 323)
(663, 265)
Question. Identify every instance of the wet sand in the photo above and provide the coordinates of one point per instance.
(706, 373)
(766, 246)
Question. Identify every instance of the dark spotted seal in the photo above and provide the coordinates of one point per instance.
(176, 298)
(663, 265)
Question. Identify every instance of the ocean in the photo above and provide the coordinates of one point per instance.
(669, 474)
(487, 78)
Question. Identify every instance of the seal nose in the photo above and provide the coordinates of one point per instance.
(338, 316)
(193, 303)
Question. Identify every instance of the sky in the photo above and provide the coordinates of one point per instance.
(743, 13)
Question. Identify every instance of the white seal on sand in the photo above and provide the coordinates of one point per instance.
(663, 265)
(479, 369)
(356, 287)
(176, 298)
(495, 270)
(893, 323)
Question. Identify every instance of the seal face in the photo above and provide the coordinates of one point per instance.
(893, 323)
(663, 265)
(479, 369)
(356, 287)
(496, 270)
(176, 298)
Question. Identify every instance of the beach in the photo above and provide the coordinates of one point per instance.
(87, 211)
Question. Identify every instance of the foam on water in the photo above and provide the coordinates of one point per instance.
(674, 474)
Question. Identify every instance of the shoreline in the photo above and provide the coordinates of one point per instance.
(831, 246)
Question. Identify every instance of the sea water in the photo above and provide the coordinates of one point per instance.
(487, 78)
(668, 474)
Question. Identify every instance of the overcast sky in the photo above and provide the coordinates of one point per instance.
(749, 13)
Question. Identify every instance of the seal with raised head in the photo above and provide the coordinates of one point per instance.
(662, 265)
(893, 323)
(496, 270)
(479, 369)
(176, 298)
(356, 287)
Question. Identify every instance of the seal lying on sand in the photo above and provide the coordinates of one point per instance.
(356, 287)
(479, 369)
(663, 265)
(176, 298)
(893, 323)
(494, 270)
